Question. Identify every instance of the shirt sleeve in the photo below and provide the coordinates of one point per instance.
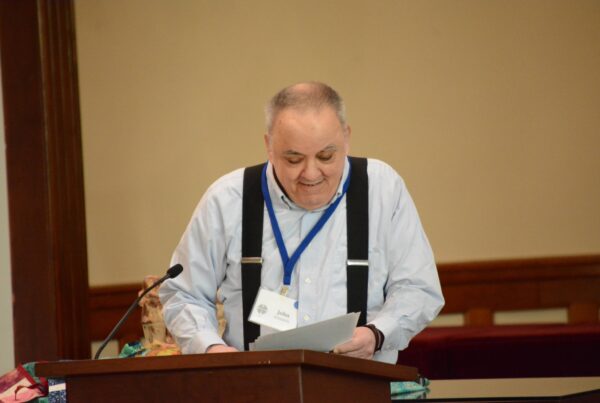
(189, 308)
(413, 295)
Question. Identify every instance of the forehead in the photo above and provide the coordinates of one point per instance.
(307, 130)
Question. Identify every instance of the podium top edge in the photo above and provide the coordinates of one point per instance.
(300, 358)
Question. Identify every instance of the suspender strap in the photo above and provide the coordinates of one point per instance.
(252, 234)
(357, 216)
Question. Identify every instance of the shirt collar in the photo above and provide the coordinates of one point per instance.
(280, 200)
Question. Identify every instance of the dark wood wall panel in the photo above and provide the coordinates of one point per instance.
(514, 284)
(494, 296)
(107, 305)
(474, 288)
(45, 180)
(557, 292)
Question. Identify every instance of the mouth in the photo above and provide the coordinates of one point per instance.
(311, 184)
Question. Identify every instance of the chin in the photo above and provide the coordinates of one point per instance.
(312, 204)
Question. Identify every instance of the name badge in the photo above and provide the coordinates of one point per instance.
(274, 310)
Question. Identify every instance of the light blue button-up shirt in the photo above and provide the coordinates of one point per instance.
(404, 291)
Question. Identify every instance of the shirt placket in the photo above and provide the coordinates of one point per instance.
(306, 271)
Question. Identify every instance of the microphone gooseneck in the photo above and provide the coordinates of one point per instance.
(171, 273)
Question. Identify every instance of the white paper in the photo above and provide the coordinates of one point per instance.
(321, 336)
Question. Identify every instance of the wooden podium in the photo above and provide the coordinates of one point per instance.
(270, 376)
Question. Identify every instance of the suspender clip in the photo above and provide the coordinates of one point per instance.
(357, 262)
(252, 260)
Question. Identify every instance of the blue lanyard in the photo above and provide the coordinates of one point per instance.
(289, 263)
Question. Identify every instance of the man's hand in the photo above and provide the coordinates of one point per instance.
(362, 344)
(221, 348)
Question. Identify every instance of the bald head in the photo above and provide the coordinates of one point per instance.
(304, 96)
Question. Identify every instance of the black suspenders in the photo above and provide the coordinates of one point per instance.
(252, 231)
(357, 233)
(357, 217)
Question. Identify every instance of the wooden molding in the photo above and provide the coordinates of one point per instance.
(45, 180)
(476, 289)
(479, 317)
(107, 304)
(519, 284)
(583, 313)
(543, 268)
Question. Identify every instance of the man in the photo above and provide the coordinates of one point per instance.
(305, 183)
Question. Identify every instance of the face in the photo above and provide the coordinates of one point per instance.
(308, 149)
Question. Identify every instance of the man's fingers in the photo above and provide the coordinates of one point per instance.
(346, 347)
(361, 345)
(221, 348)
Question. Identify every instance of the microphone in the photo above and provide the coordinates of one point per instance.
(171, 273)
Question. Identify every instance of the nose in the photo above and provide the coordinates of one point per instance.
(311, 170)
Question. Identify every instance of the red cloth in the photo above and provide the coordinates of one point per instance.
(505, 351)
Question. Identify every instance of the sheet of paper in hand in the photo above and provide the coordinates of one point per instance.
(321, 336)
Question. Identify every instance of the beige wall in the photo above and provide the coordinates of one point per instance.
(7, 353)
(488, 109)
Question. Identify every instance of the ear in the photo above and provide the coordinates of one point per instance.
(347, 134)
(267, 140)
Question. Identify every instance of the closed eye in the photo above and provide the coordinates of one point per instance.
(325, 156)
(294, 160)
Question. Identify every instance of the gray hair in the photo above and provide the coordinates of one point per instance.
(311, 94)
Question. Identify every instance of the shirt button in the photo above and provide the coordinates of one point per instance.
(306, 318)
(307, 280)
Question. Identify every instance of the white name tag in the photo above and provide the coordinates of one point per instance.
(274, 310)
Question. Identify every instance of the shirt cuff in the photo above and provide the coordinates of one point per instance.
(389, 330)
(200, 342)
